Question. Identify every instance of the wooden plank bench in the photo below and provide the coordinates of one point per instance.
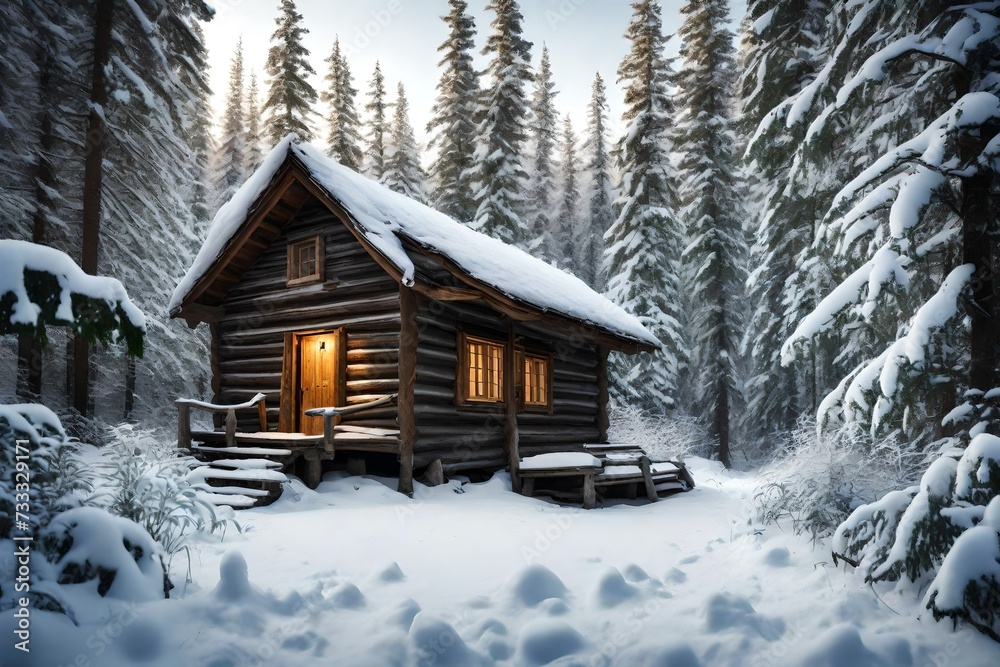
(562, 464)
(604, 466)
(626, 464)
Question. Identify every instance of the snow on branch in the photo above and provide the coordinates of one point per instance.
(41, 286)
(931, 148)
(873, 386)
(822, 318)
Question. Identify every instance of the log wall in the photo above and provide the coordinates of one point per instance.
(467, 437)
(357, 295)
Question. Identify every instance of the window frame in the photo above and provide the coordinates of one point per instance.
(523, 355)
(462, 375)
(316, 240)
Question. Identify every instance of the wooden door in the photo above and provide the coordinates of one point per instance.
(318, 369)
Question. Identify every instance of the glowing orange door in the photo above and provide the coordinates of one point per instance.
(317, 378)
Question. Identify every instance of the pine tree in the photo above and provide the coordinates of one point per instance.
(403, 172)
(542, 232)
(910, 100)
(570, 234)
(290, 96)
(254, 139)
(453, 124)
(498, 176)
(783, 49)
(711, 214)
(343, 126)
(374, 165)
(230, 162)
(598, 192)
(643, 252)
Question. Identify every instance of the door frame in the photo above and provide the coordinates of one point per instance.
(288, 412)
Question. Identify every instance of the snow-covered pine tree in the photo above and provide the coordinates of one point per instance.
(542, 188)
(924, 215)
(290, 96)
(782, 51)
(374, 160)
(39, 134)
(157, 78)
(644, 244)
(569, 234)
(343, 127)
(198, 134)
(498, 176)
(255, 152)
(231, 159)
(710, 211)
(598, 190)
(453, 121)
(403, 172)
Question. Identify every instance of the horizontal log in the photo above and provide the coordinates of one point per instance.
(389, 385)
(373, 355)
(357, 371)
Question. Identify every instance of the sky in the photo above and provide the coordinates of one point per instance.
(583, 36)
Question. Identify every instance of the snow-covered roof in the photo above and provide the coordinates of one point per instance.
(385, 219)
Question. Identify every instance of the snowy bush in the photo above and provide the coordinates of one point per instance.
(149, 485)
(967, 586)
(816, 481)
(660, 437)
(105, 555)
(46, 464)
(943, 530)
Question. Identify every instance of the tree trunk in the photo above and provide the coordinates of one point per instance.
(92, 183)
(979, 246)
(29, 350)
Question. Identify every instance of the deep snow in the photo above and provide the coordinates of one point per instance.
(472, 574)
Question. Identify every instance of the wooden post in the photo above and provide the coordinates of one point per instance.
(314, 470)
(511, 437)
(647, 477)
(589, 492)
(603, 420)
(406, 415)
(183, 426)
(330, 422)
(262, 414)
(230, 428)
(527, 486)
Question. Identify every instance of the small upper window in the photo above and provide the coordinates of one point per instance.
(305, 260)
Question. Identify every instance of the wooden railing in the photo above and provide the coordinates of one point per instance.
(184, 406)
(333, 416)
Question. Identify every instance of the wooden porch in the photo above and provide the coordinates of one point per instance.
(264, 450)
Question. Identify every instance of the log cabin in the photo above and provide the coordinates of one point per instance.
(323, 288)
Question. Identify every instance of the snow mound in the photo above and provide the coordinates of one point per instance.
(778, 557)
(658, 655)
(234, 580)
(612, 590)
(536, 583)
(391, 574)
(554, 607)
(545, 640)
(676, 576)
(405, 613)
(840, 646)
(635, 573)
(347, 596)
(435, 642)
(728, 611)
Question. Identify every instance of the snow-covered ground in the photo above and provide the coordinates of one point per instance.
(472, 574)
